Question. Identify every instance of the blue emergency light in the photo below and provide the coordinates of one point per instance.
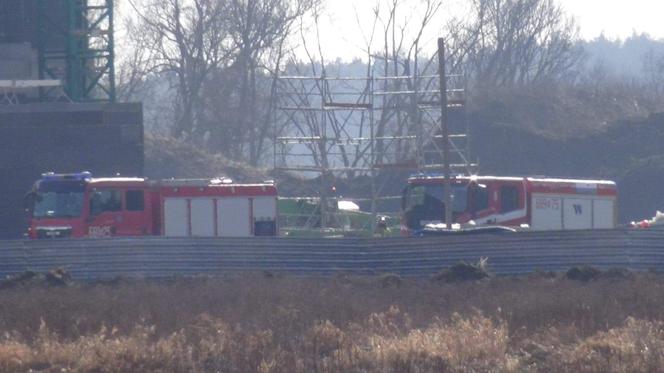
(79, 176)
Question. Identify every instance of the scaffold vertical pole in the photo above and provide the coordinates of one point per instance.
(445, 132)
(372, 156)
(322, 146)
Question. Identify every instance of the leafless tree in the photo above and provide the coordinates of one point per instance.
(186, 39)
(521, 42)
(259, 32)
(653, 66)
(220, 57)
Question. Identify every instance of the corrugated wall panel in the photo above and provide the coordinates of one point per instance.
(507, 254)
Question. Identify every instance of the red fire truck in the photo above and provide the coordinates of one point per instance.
(78, 205)
(536, 203)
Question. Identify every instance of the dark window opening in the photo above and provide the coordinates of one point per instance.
(509, 198)
(105, 201)
(265, 228)
(481, 198)
(134, 200)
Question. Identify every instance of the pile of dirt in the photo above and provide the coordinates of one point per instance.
(542, 274)
(618, 274)
(583, 273)
(58, 277)
(463, 271)
(389, 280)
(588, 273)
(167, 157)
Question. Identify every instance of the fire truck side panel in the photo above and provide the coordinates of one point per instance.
(136, 215)
(265, 208)
(234, 217)
(176, 217)
(604, 213)
(546, 212)
(202, 217)
(577, 213)
(552, 212)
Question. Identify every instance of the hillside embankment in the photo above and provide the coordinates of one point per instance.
(628, 152)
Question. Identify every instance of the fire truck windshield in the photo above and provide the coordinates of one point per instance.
(426, 203)
(58, 200)
(432, 196)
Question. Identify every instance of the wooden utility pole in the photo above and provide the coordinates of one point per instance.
(445, 133)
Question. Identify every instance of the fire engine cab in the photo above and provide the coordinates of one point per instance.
(536, 203)
(78, 205)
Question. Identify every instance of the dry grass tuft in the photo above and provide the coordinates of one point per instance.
(638, 346)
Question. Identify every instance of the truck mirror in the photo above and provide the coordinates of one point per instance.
(29, 200)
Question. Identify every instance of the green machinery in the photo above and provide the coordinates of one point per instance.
(75, 45)
(301, 217)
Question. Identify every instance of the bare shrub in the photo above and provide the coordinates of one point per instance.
(390, 280)
(463, 272)
(583, 273)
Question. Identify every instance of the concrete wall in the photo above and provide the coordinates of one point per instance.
(21, 32)
(19, 22)
(18, 61)
(34, 138)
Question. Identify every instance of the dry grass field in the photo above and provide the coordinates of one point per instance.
(267, 323)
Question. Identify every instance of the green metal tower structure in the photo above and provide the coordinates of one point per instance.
(75, 45)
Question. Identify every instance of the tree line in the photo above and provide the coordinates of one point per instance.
(207, 70)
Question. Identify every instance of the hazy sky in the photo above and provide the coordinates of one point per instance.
(342, 37)
(617, 18)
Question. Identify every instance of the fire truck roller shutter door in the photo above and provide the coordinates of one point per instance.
(603, 212)
(577, 213)
(546, 212)
(202, 217)
(176, 217)
(233, 217)
(265, 208)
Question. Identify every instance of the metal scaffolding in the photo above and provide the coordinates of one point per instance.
(75, 45)
(367, 126)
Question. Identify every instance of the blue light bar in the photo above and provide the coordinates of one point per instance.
(79, 176)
